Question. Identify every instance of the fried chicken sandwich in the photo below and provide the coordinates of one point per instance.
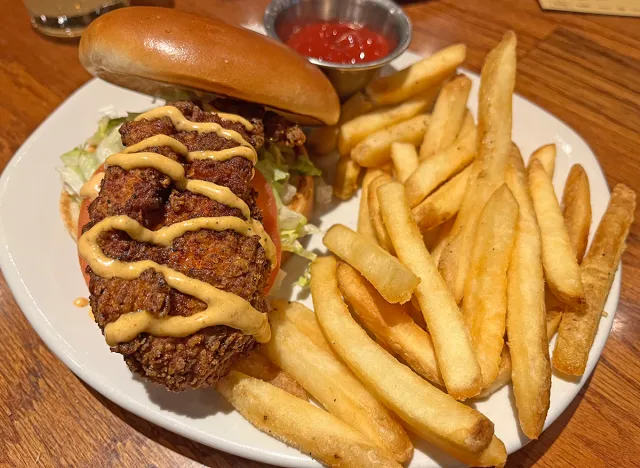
(181, 213)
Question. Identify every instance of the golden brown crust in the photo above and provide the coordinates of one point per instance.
(157, 50)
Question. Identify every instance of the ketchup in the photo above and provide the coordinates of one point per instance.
(339, 42)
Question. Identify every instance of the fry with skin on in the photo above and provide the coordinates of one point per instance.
(339, 391)
(494, 144)
(390, 323)
(354, 131)
(259, 366)
(432, 414)
(301, 424)
(393, 280)
(374, 212)
(439, 167)
(447, 116)
(576, 209)
(325, 139)
(405, 160)
(443, 204)
(365, 226)
(578, 328)
(374, 150)
(426, 74)
(526, 329)
(451, 339)
(561, 269)
(345, 183)
(485, 294)
(547, 156)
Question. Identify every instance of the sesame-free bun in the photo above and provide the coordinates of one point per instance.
(172, 54)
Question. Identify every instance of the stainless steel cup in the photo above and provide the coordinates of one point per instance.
(383, 16)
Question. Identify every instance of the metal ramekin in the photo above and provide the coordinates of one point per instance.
(382, 16)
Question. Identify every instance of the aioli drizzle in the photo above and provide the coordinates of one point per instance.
(91, 188)
(223, 307)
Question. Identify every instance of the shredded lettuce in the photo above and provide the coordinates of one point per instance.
(81, 163)
(305, 166)
(278, 164)
(305, 278)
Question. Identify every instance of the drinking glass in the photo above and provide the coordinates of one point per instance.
(68, 18)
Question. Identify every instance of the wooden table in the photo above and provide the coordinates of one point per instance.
(584, 69)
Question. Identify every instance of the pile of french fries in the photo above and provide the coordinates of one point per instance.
(464, 265)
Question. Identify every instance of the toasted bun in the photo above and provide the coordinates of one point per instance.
(173, 54)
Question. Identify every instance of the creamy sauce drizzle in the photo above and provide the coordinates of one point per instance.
(81, 302)
(223, 308)
(91, 188)
(230, 117)
(220, 155)
(175, 171)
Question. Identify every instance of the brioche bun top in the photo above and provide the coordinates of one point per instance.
(178, 55)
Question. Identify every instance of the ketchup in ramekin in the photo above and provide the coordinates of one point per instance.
(339, 42)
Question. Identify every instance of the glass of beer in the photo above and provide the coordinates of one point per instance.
(68, 18)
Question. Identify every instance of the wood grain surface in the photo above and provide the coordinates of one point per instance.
(584, 69)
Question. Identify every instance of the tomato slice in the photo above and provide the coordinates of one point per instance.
(266, 202)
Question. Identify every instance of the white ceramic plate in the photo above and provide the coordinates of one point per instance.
(39, 261)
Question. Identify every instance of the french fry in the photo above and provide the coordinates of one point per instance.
(301, 424)
(394, 281)
(365, 226)
(390, 323)
(259, 366)
(374, 150)
(547, 156)
(354, 131)
(416, 315)
(325, 139)
(443, 204)
(345, 183)
(553, 322)
(578, 328)
(494, 144)
(405, 160)
(429, 237)
(439, 167)
(505, 370)
(528, 337)
(467, 123)
(576, 209)
(427, 74)
(374, 212)
(558, 257)
(432, 414)
(339, 391)
(447, 116)
(441, 240)
(485, 293)
(451, 338)
(305, 321)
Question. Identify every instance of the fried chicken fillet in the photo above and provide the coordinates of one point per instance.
(226, 259)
